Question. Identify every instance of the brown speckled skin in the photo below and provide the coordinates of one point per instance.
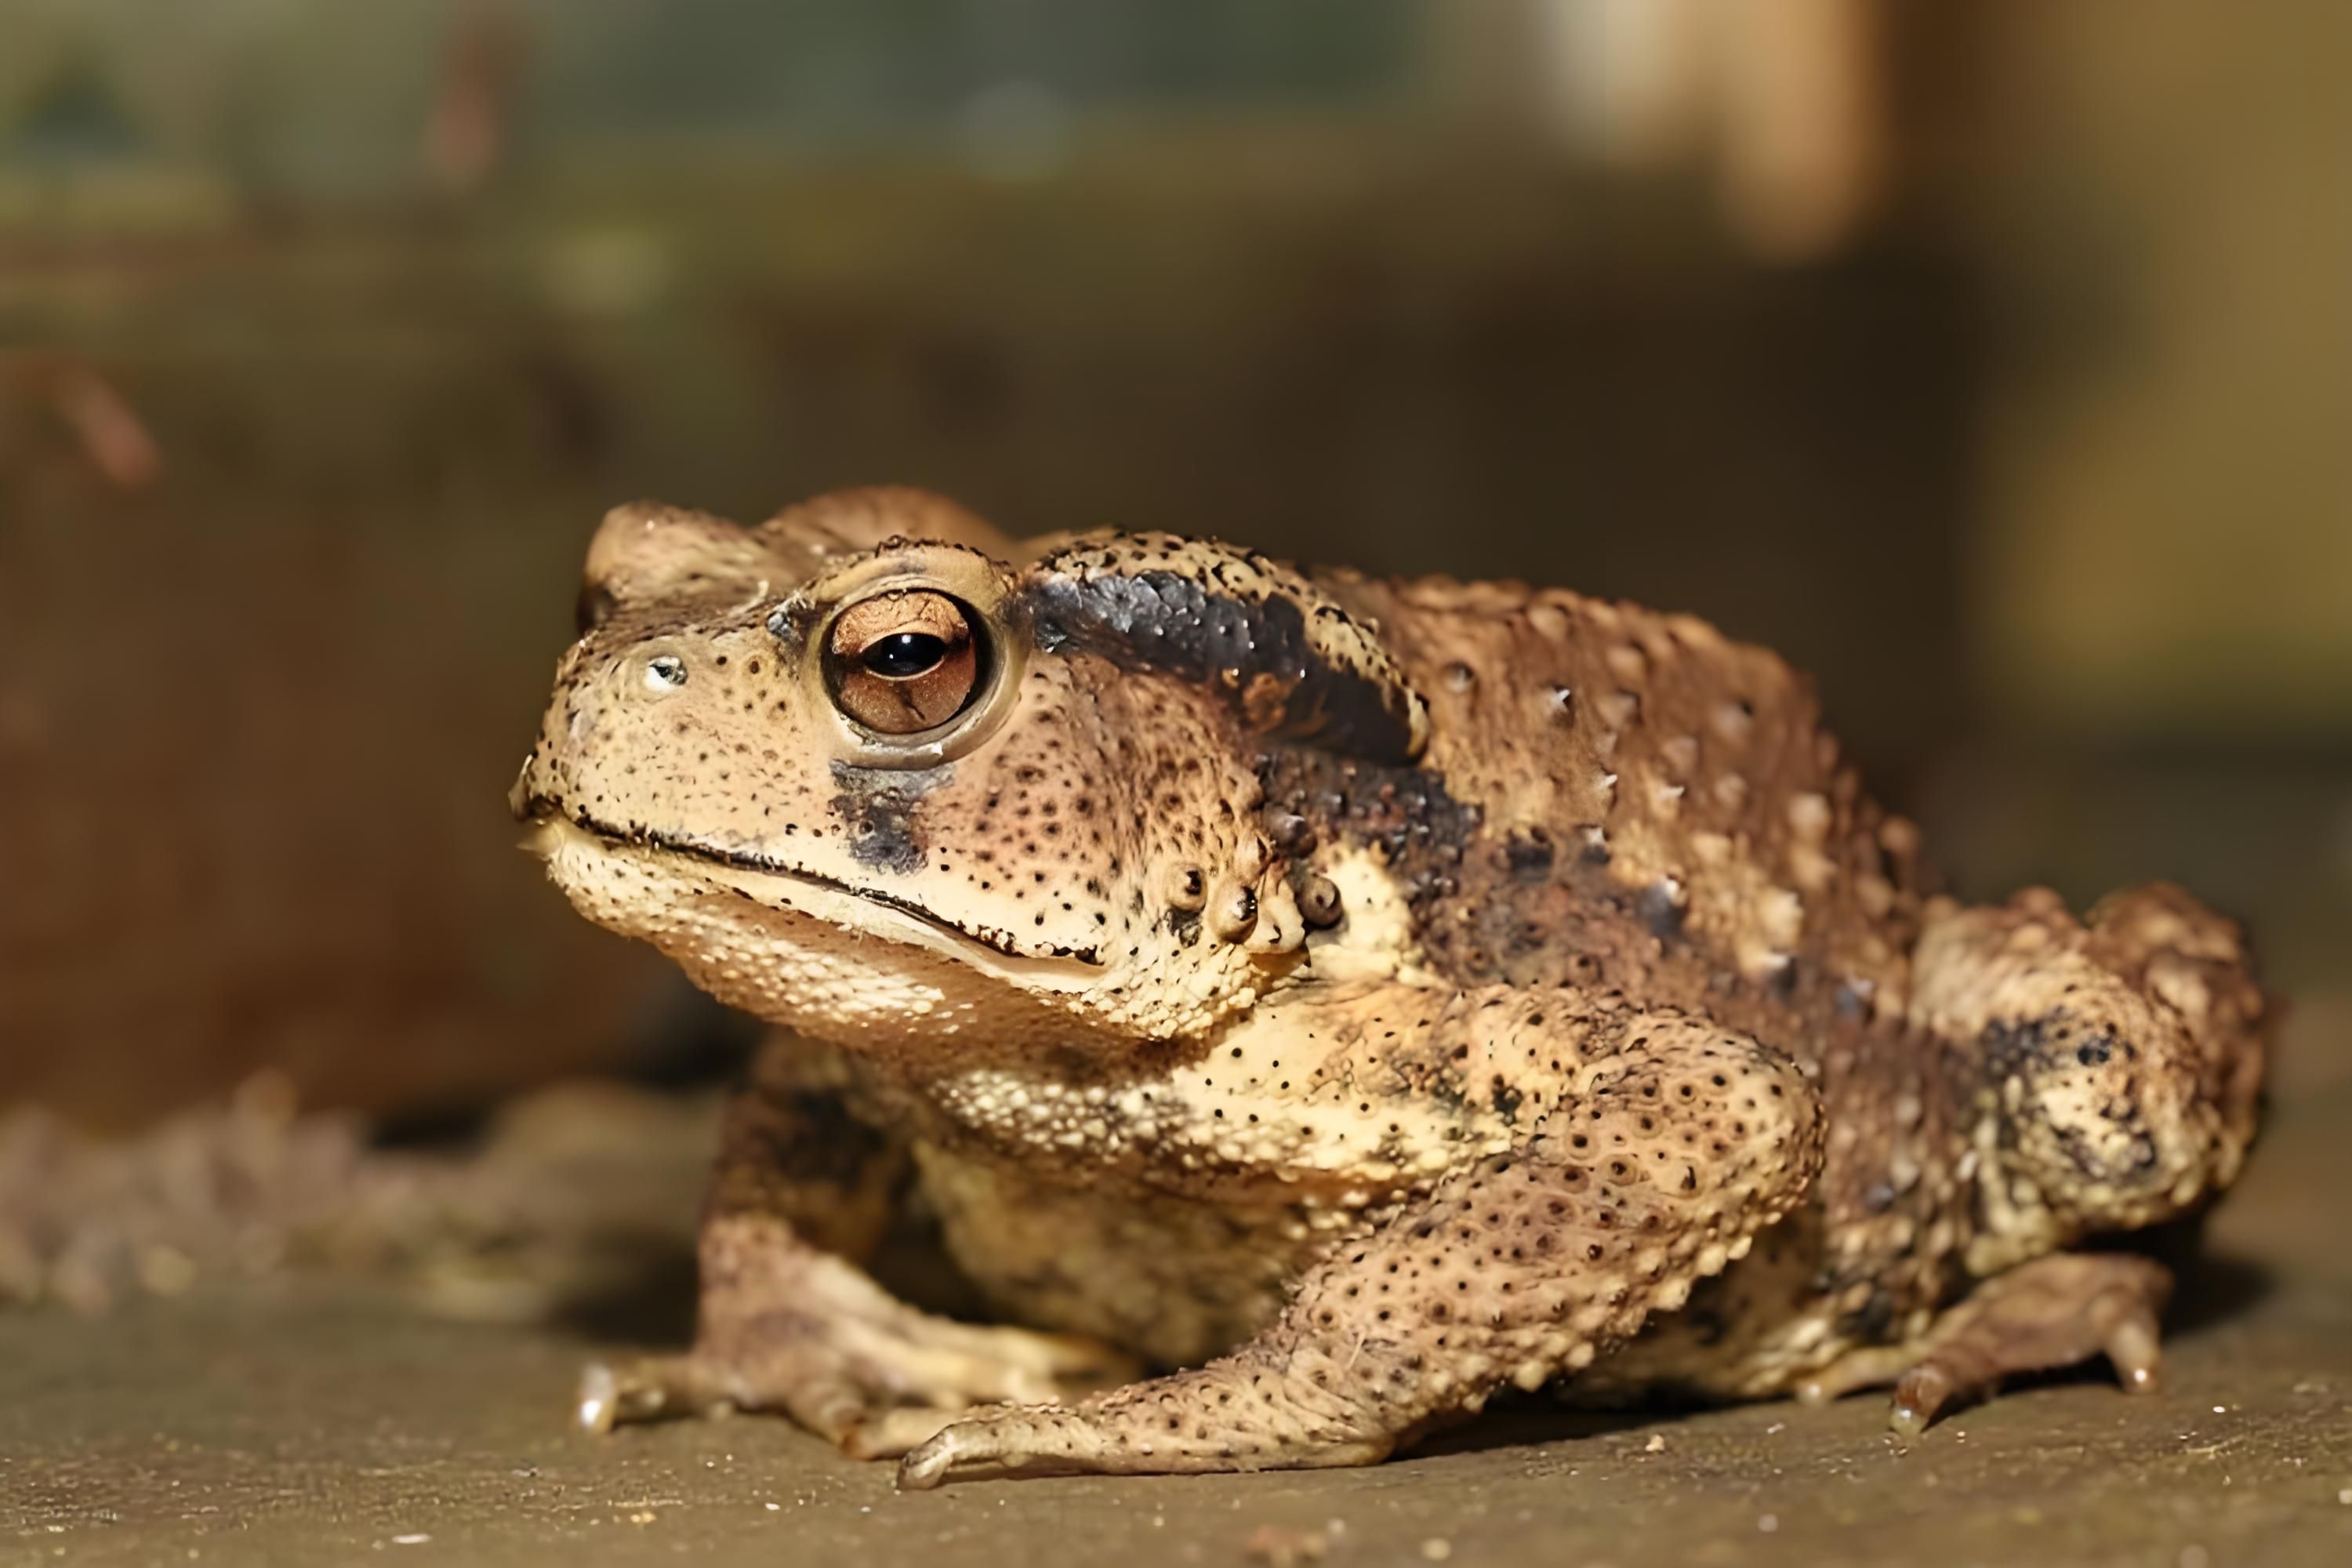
(1355, 995)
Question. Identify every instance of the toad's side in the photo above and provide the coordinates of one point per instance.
(1357, 996)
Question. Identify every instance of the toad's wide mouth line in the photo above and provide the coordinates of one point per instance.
(992, 948)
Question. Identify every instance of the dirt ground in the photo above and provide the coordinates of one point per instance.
(316, 1422)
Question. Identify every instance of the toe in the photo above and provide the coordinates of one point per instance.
(1918, 1396)
(891, 1434)
(1012, 1437)
(1042, 1359)
(927, 1465)
(598, 1399)
(2135, 1351)
(957, 1365)
(1070, 1359)
(611, 1396)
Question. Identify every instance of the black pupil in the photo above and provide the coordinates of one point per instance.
(903, 654)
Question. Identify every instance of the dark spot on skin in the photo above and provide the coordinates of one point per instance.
(1529, 856)
(1507, 1101)
(1253, 652)
(2033, 1049)
(876, 809)
(2013, 1046)
(1421, 833)
(2011, 1042)
(1661, 911)
(1870, 1323)
(1182, 924)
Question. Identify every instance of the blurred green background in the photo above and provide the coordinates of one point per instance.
(1994, 362)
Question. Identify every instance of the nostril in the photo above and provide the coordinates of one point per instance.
(664, 672)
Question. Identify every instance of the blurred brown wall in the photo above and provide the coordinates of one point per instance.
(260, 708)
(2038, 460)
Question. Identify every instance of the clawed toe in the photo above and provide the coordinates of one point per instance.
(596, 1406)
(927, 1465)
(1919, 1394)
(890, 1434)
(646, 1390)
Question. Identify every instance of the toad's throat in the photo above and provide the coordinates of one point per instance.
(818, 896)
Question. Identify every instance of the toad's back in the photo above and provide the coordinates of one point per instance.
(1611, 761)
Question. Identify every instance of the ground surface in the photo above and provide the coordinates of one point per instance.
(318, 1423)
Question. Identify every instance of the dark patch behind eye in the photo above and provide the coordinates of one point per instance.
(1255, 654)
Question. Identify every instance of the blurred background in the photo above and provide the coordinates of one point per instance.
(1992, 361)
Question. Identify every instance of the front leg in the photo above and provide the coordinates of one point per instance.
(1654, 1170)
(789, 1320)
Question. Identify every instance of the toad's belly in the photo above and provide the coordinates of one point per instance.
(1174, 1279)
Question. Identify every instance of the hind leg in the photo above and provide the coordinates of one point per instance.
(2050, 1313)
(2118, 1060)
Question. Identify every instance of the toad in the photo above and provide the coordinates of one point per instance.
(1311, 1004)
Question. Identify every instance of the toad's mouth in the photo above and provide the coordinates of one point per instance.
(792, 889)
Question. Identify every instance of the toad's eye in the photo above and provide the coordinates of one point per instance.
(904, 661)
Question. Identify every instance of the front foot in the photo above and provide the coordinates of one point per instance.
(2050, 1313)
(872, 1375)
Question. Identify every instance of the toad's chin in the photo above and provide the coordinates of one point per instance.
(699, 904)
